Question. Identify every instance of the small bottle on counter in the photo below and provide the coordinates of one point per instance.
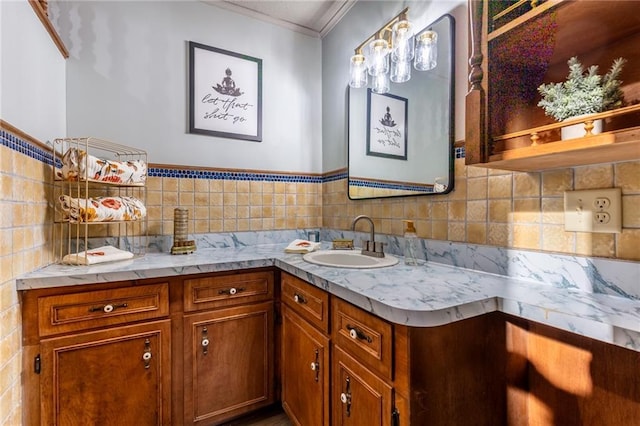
(410, 243)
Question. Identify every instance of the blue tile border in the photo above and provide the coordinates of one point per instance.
(36, 152)
(385, 185)
(27, 148)
(232, 175)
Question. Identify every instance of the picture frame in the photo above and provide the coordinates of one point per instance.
(225, 93)
(387, 125)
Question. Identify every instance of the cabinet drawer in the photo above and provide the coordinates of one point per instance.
(365, 336)
(227, 290)
(80, 311)
(308, 301)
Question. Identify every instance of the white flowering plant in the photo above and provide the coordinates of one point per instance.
(584, 92)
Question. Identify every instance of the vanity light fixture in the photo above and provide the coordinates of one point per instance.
(387, 55)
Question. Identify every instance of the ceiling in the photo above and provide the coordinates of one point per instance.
(311, 17)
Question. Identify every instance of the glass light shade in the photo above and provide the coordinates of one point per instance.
(400, 71)
(358, 71)
(402, 41)
(377, 57)
(426, 56)
(381, 83)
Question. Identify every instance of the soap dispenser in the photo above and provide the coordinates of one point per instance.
(410, 243)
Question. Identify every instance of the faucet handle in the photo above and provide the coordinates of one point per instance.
(378, 247)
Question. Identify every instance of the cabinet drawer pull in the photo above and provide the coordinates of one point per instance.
(298, 298)
(345, 397)
(146, 355)
(231, 291)
(315, 366)
(356, 333)
(108, 308)
(204, 342)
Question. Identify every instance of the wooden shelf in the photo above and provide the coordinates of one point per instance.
(622, 145)
(509, 63)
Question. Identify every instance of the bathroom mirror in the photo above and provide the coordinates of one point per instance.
(418, 159)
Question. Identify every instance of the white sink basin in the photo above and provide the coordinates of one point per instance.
(348, 259)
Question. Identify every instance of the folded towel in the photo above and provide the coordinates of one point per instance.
(102, 209)
(78, 165)
(302, 246)
(97, 255)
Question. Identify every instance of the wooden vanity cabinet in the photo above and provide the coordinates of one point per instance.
(229, 356)
(517, 46)
(389, 374)
(98, 354)
(305, 352)
(362, 365)
(115, 376)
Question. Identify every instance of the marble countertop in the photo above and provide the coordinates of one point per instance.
(427, 295)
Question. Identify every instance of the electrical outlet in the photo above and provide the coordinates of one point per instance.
(602, 217)
(593, 210)
(602, 203)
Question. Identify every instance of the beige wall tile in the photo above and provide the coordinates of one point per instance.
(598, 176)
(186, 185)
(526, 236)
(477, 233)
(555, 238)
(477, 188)
(170, 184)
(500, 210)
(526, 185)
(230, 199)
(627, 177)
(243, 186)
(216, 186)
(230, 186)
(201, 199)
(477, 211)
(631, 211)
(628, 244)
(526, 210)
(457, 210)
(594, 244)
(500, 186)
(216, 198)
(186, 199)
(553, 211)
(555, 182)
(439, 229)
(201, 185)
(499, 234)
(457, 231)
(440, 211)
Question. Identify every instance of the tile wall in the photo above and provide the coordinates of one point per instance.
(233, 201)
(24, 230)
(501, 208)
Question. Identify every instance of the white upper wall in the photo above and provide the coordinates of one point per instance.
(364, 18)
(127, 81)
(32, 74)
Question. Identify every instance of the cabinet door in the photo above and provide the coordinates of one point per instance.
(228, 363)
(359, 397)
(305, 366)
(115, 376)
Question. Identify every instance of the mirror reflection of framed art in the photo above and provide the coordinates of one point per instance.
(387, 125)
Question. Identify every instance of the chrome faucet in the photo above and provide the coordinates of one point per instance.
(369, 247)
